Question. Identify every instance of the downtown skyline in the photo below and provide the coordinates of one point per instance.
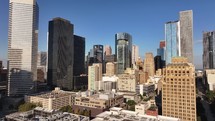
(98, 23)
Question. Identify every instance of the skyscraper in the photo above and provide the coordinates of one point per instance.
(149, 65)
(22, 46)
(98, 53)
(60, 54)
(161, 50)
(208, 50)
(108, 50)
(94, 76)
(123, 51)
(172, 37)
(135, 54)
(186, 34)
(41, 66)
(179, 90)
(162, 44)
(79, 55)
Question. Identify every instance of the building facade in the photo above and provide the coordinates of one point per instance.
(209, 50)
(186, 34)
(149, 65)
(94, 76)
(127, 82)
(123, 51)
(135, 54)
(79, 55)
(179, 90)
(111, 69)
(172, 37)
(107, 50)
(22, 46)
(60, 54)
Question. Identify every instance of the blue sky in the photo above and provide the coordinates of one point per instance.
(99, 20)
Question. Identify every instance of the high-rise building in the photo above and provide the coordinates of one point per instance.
(162, 44)
(110, 69)
(172, 37)
(60, 54)
(149, 65)
(179, 90)
(98, 53)
(158, 62)
(186, 34)
(22, 46)
(94, 76)
(161, 50)
(41, 66)
(42, 59)
(209, 50)
(79, 55)
(123, 51)
(108, 50)
(135, 54)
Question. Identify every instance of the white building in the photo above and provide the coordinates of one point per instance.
(109, 83)
(22, 46)
(95, 76)
(146, 88)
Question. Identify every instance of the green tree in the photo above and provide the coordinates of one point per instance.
(131, 102)
(210, 96)
(27, 106)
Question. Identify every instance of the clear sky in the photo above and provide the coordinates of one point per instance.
(99, 20)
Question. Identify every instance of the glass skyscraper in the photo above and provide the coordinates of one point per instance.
(60, 54)
(22, 46)
(208, 50)
(123, 51)
(172, 37)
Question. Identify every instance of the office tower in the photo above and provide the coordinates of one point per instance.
(79, 55)
(179, 90)
(42, 58)
(60, 54)
(108, 50)
(186, 34)
(149, 65)
(110, 69)
(162, 44)
(172, 37)
(208, 50)
(123, 51)
(158, 62)
(135, 54)
(22, 46)
(94, 76)
(98, 53)
(41, 66)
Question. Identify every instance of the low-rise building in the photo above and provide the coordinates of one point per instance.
(129, 96)
(127, 82)
(146, 88)
(109, 83)
(118, 114)
(51, 100)
(209, 79)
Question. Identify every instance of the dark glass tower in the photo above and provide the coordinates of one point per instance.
(60, 54)
(98, 53)
(123, 51)
(79, 55)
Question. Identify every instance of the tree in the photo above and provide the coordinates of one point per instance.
(27, 106)
(210, 96)
(67, 108)
(131, 102)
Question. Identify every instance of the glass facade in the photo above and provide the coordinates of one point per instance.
(123, 51)
(60, 54)
(172, 38)
(22, 46)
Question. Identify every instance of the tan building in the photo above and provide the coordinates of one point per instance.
(179, 90)
(143, 77)
(135, 54)
(149, 65)
(127, 82)
(51, 100)
(100, 101)
(110, 69)
(94, 76)
(108, 50)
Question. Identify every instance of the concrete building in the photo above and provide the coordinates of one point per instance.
(123, 51)
(109, 83)
(172, 37)
(143, 107)
(41, 114)
(51, 100)
(127, 82)
(94, 76)
(60, 54)
(22, 46)
(209, 79)
(179, 90)
(149, 65)
(146, 88)
(111, 69)
(135, 54)
(107, 50)
(208, 50)
(118, 114)
(186, 34)
(98, 53)
(128, 95)
(143, 77)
